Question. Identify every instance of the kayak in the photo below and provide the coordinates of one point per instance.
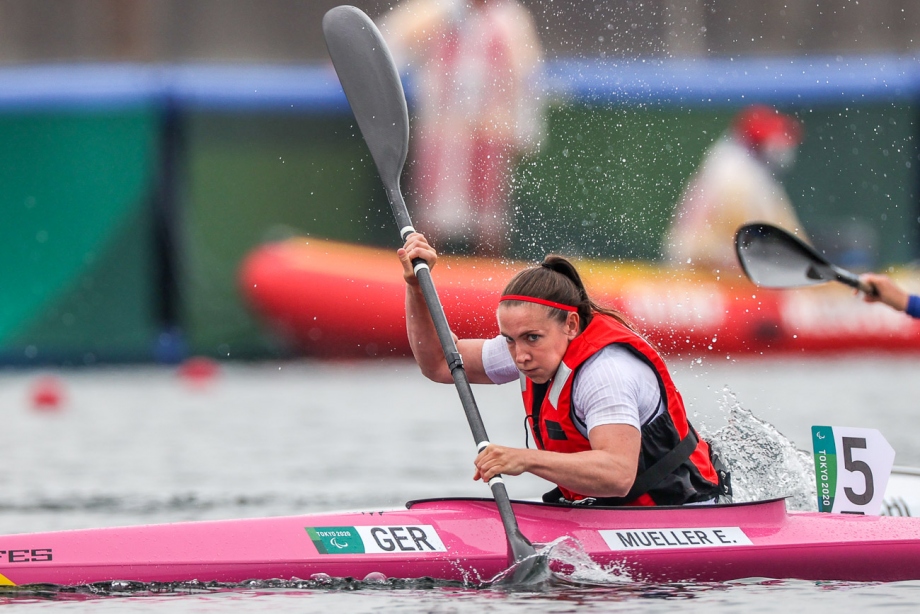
(463, 540)
(337, 299)
(902, 495)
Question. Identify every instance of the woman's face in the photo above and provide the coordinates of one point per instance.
(536, 341)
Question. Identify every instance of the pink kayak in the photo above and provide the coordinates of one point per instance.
(463, 540)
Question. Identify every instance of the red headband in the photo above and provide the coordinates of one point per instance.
(539, 301)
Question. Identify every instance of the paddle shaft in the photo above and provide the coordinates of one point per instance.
(853, 280)
(520, 546)
(832, 272)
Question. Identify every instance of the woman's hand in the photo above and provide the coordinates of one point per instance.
(416, 247)
(608, 469)
(495, 460)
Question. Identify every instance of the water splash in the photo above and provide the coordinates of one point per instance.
(763, 462)
(560, 563)
(531, 573)
(575, 567)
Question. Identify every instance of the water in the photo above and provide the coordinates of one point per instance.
(134, 446)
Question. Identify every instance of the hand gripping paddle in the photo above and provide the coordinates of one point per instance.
(371, 83)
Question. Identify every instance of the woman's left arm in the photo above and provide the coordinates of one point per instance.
(607, 470)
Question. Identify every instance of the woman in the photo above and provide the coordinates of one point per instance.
(608, 422)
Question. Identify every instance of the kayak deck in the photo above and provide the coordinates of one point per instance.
(463, 540)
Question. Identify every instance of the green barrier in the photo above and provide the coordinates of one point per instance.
(80, 269)
(256, 178)
(76, 266)
(608, 178)
(607, 181)
(856, 178)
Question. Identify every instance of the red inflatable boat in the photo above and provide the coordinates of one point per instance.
(344, 300)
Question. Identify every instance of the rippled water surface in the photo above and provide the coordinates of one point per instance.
(140, 445)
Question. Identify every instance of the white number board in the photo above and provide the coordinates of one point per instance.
(852, 466)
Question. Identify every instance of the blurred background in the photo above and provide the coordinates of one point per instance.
(146, 146)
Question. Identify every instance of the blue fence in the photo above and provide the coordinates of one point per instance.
(831, 79)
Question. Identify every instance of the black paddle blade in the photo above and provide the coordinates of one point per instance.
(529, 572)
(773, 258)
(371, 83)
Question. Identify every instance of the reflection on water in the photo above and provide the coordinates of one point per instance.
(560, 589)
(427, 595)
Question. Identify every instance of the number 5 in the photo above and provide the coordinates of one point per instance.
(857, 466)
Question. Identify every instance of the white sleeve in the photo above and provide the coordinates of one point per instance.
(615, 387)
(497, 361)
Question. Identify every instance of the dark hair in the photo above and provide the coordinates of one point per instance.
(557, 280)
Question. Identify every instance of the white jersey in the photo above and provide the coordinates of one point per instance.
(612, 387)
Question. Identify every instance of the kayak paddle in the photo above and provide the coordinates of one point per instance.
(773, 258)
(374, 91)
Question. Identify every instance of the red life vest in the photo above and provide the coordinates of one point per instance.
(668, 439)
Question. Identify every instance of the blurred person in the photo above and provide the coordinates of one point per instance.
(736, 184)
(477, 65)
(890, 293)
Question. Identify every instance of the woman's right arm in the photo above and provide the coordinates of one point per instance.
(423, 338)
(886, 291)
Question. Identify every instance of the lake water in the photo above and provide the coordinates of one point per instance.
(141, 445)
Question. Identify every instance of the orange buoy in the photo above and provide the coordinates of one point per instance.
(47, 394)
(198, 370)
